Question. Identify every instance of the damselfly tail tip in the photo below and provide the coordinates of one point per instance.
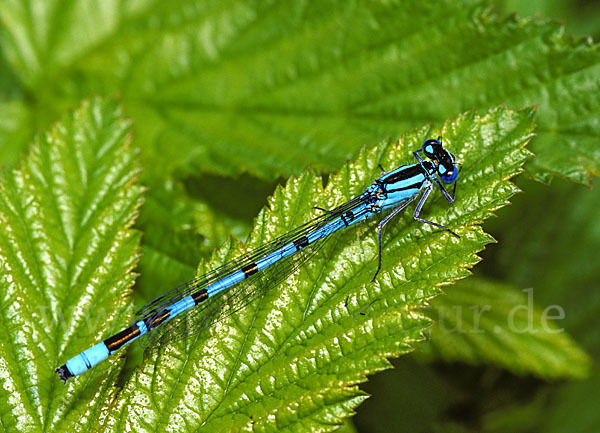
(64, 373)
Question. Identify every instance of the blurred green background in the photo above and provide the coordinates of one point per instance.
(194, 114)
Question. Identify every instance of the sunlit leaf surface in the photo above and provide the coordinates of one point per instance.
(66, 256)
(291, 360)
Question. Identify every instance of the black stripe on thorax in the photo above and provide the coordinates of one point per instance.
(404, 174)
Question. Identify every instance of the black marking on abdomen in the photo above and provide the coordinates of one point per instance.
(156, 319)
(250, 269)
(119, 340)
(200, 296)
(301, 242)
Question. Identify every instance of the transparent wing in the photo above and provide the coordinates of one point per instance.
(229, 301)
(223, 304)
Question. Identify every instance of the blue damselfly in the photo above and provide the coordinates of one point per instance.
(206, 299)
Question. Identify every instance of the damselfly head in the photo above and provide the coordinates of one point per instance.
(448, 173)
(431, 148)
(444, 160)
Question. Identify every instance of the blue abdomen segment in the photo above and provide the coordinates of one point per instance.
(95, 354)
(226, 282)
(180, 306)
(87, 359)
(274, 257)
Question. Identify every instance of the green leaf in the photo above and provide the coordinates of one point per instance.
(550, 240)
(15, 124)
(291, 360)
(269, 87)
(171, 247)
(481, 321)
(552, 246)
(66, 259)
(347, 427)
(180, 229)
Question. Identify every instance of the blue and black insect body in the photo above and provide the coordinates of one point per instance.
(206, 299)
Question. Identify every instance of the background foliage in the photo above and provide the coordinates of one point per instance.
(227, 99)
